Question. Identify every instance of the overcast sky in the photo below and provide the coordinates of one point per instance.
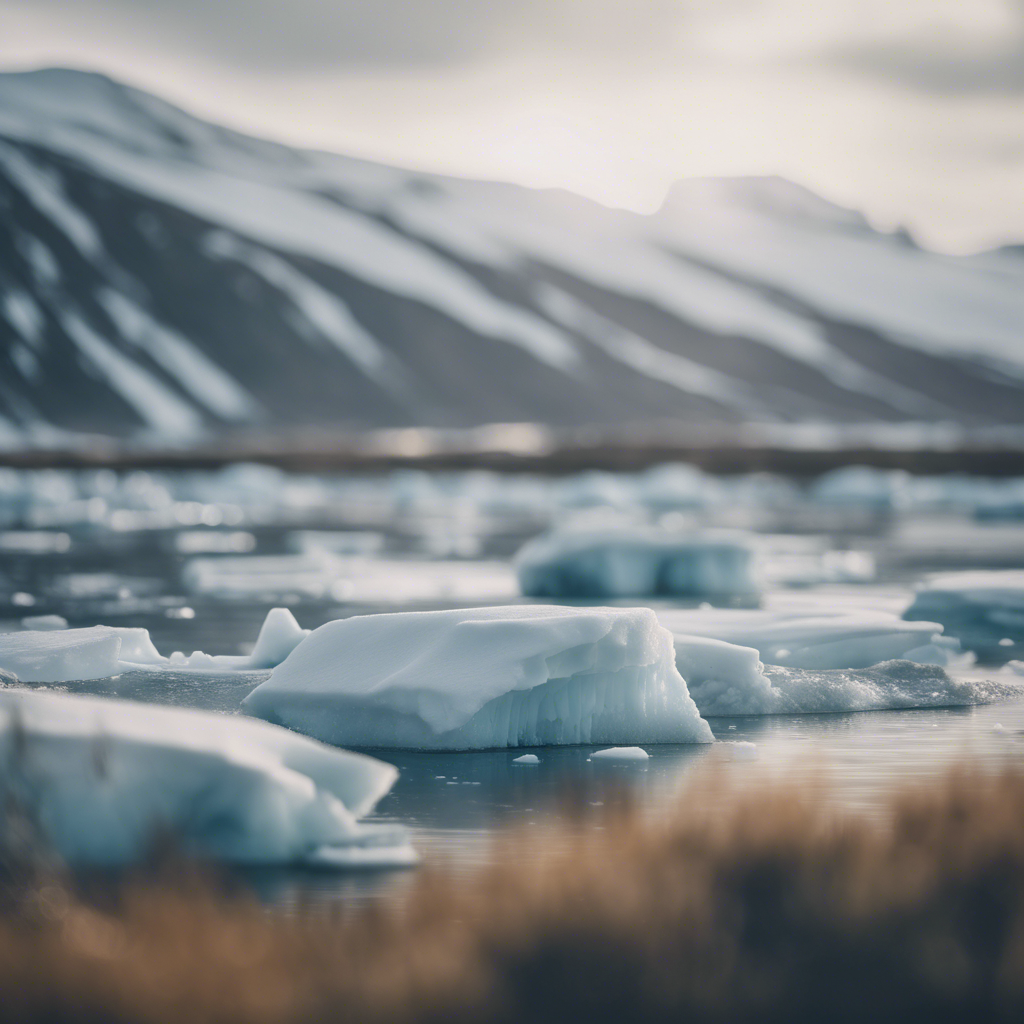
(912, 110)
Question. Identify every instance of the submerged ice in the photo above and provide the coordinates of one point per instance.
(528, 675)
(101, 780)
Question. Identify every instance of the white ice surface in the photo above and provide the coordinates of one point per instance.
(526, 759)
(527, 675)
(840, 640)
(621, 754)
(98, 652)
(103, 780)
(634, 563)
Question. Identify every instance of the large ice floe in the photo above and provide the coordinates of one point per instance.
(527, 675)
(103, 780)
(98, 652)
(635, 562)
(985, 609)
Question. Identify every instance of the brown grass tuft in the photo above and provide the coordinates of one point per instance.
(765, 905)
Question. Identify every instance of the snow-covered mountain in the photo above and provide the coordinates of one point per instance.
(165, 279)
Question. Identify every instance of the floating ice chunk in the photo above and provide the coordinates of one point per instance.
(241, 577)
(103, 779)
(214, 542)
(886, 686)
(34, 542)
(55, 656)
(634, 563)
(98, 652)
(396, 582)
(621, 754)
(44, 622)
(336, 542)
(526, 675)
(726, 679)
(863, 486)
(854, 639)
(723, 678)
(981, 608)
(526, 759)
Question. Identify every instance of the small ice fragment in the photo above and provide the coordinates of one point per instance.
(741, 750)
(526, 759)
(621, 754)
(44, 622)
(1006, 642)
(732, 727)
(1000, 729)
(183, 612)
(22, 600)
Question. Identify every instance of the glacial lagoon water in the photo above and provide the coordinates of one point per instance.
(58, 558)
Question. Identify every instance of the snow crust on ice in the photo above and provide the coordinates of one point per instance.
(840, 640)
(103, 779)
(621, 754)
(528, 675)
(54, 655)
(634, 563)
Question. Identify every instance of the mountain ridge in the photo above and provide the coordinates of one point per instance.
(165, 280)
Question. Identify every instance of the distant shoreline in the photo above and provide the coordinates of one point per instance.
(423, 450)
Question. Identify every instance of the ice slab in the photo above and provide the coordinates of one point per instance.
(98, 652)
(848, 639)
(725, 679)
(621, 754)
(34, 542)
(634, 563)
(981, 608)
(247, 575)
(336, 542)
(214, 542)
(527, 675)
(102, 780)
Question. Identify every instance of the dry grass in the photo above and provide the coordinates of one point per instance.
(765, 906)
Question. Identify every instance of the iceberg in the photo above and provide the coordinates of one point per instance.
(519, 676)
(102, 780)
(97, 652)
(842, 640)
(635, 562)
(985, 609)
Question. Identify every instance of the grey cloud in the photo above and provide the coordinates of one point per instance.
(992, 73)
(318, 34)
